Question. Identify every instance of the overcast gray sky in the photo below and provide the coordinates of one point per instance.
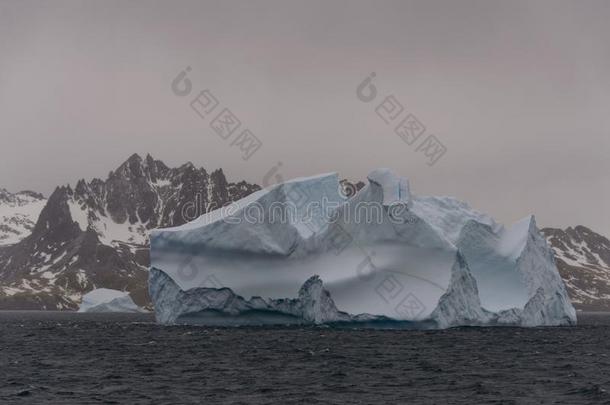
(518, 92)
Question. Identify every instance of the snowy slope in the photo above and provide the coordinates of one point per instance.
(18, 215)
(95, 235)
(428, 259)
(583, 259)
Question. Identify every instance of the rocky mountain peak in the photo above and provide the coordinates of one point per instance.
(132, 168)
(583, 259)
(55, 222)
(96, 235)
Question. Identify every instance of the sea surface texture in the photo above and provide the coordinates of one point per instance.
(71, 358)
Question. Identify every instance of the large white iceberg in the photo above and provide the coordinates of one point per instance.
(302, 252)
(107, 300)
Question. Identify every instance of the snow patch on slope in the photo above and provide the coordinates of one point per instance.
(18, 215)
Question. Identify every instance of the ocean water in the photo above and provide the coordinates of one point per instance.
(69, 358)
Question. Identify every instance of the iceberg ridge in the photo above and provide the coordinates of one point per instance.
(301, 252)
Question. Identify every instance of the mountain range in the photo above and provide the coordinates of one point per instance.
(95, 235)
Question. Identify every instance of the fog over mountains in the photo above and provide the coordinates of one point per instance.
(95, 235)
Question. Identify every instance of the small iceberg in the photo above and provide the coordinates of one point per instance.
(107, 300)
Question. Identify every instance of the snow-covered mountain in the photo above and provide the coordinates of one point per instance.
(583, 260)
(18, 214)
(95, 234)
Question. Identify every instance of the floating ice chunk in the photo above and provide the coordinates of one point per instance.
(433, 261)
(107, 300)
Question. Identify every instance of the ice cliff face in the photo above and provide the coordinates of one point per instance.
(382, 254)
(221, 305)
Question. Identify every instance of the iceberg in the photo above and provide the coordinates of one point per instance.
(301, 252)
(107, 300)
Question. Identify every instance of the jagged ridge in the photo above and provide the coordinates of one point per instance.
(96, 234)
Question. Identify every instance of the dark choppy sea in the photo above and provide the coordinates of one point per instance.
(68, 358)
